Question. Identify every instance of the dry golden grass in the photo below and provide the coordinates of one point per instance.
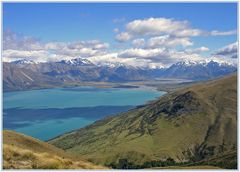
(37, 155)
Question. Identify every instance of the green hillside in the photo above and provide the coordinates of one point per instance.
(24, 152)
(188, 125)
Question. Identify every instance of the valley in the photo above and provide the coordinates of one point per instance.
(191, 124)
(192, 127)
(47, 113)
(24, 75)
(123, 117)
(120, 85)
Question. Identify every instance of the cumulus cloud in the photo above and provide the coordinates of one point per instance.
(230, 51)
(141, 53)
(114, 58)
(16, 47)
(16, 54)
(168, 41)
(197, 50)
(218, 33)
(35, 55)
(163, 56)
(138, 42)
(123, 37)
(154, 51)
(12, 40)
(165, 26)
(158, 26)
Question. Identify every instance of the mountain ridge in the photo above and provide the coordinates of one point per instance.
(190, 124)
(24, 75)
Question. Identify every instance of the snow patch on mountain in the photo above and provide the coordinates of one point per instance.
(24, 61)
(77, 62)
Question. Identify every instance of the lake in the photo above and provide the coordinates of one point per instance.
(47, 113)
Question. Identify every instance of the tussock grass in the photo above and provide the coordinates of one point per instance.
(18, 158)
(37, 155)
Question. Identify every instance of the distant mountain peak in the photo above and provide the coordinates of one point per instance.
(219, 63)
(188, 63)
(191, 63)
(112, 64)
(24, 61)
(77, 62)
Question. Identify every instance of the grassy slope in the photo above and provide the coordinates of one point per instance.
(192, 123)
(224, 160)
(188, 167)
(24, 152)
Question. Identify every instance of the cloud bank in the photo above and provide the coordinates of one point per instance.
(230, 51)
(151, 42)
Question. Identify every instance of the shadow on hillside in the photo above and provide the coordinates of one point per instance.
(17, 117)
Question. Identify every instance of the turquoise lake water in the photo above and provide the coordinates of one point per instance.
(47, 113)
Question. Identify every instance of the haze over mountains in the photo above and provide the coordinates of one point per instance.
(27, 74)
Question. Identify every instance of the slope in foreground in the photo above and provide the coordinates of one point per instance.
(24, 152)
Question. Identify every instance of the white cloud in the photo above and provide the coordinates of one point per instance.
(168, 41)
(35, 55)
(138, 42)
(147, 51)
(197, 50)
(12, 40)
(16, 46)
(159, 26)
(219, 33)
(165, 26)
(163, 56)
(113, 58)
(123, 37)
(230, 51)
(141, 53)
(116, 30)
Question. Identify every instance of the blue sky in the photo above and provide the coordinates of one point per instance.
(73, 22)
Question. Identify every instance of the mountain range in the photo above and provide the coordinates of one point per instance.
(193, 125)
(26, 74)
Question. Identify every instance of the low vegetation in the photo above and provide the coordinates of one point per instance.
(192, 124)
(125, 164)
(24, 152)
(227, 160)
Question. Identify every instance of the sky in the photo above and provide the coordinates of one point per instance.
(138, 34)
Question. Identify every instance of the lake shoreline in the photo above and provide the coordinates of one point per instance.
(161, 84)
(58, 107)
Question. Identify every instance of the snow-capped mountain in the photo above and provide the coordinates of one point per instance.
(111, 64)
(80, 70)
(24, 61)
(77, 62)
(198, 70)
(188, 63)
